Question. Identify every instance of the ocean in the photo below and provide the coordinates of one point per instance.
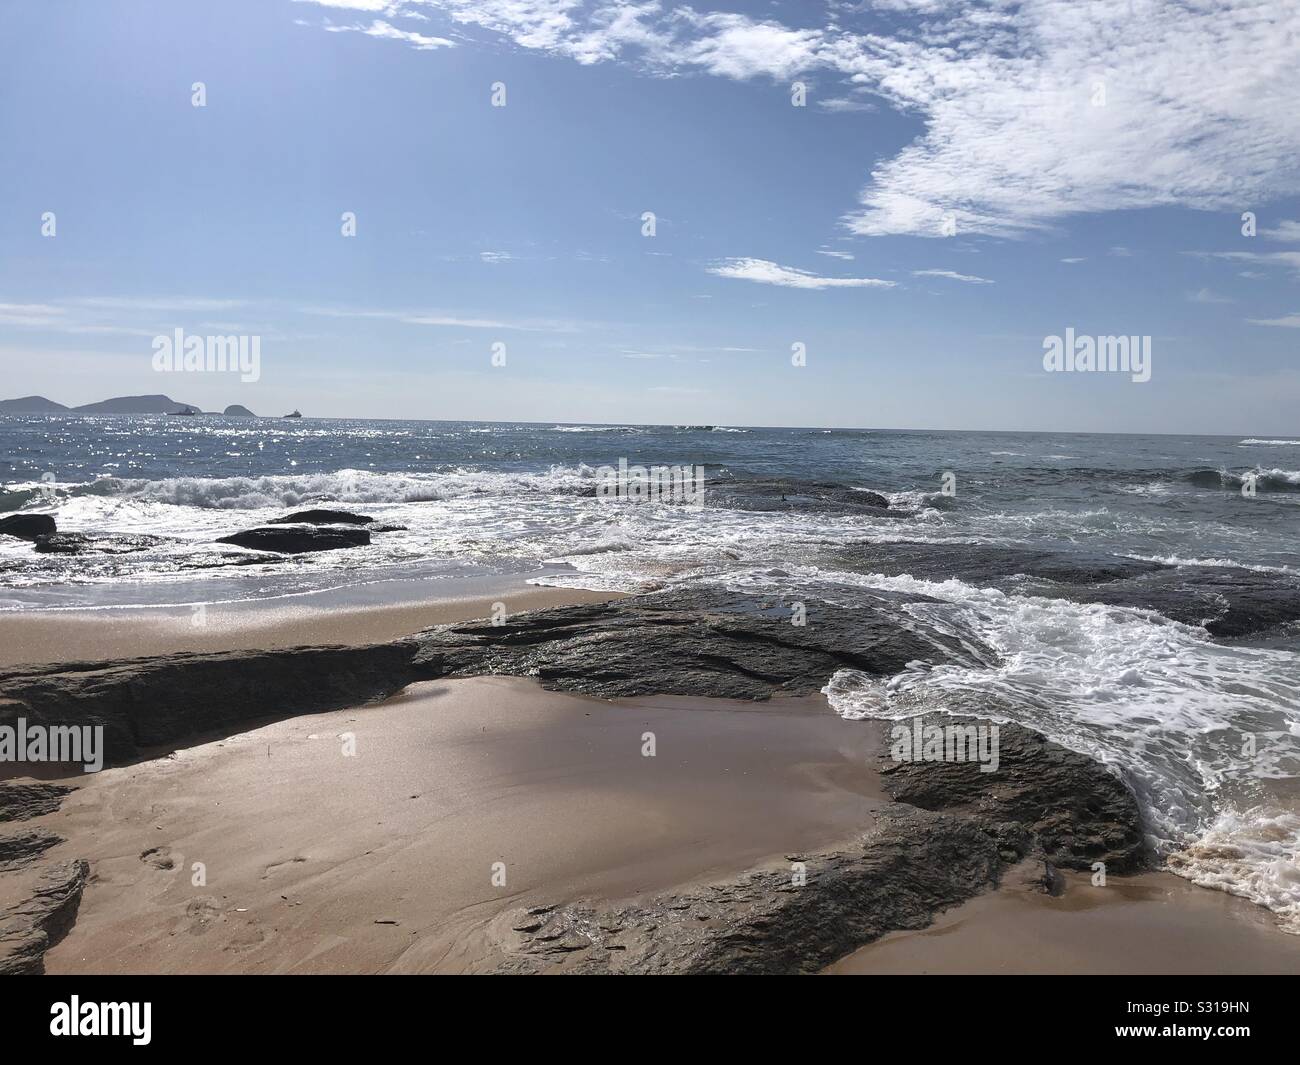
(1206, 730)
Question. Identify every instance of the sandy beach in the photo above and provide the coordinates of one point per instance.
(367, 839)
(101, 636)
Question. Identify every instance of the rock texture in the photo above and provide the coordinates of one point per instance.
(22, 802)
(693, 642)
(148, 703)
(1043, 799)
(29, 928)
(296, 539)
(20, 848)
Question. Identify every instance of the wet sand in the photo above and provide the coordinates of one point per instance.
(31, 637)
(1154, 924)
(316, 861)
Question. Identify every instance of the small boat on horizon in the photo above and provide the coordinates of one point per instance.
(295, 414)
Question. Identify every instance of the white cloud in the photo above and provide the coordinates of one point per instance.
(1076, 259)
(952, 275)
(835, 254)
(381, 6)
(495, 256)
(838, 105)
(769, 273)
(1287, 231)
(1198, 105)
(380, 28)
(1290, 321)
(1206, 295)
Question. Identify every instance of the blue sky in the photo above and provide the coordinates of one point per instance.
(776, 224)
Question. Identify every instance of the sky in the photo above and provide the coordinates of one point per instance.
(916, 193)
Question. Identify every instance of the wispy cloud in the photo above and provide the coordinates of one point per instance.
(1206, 295)
(1142, 103)
(439, 318)
(1287, 231)
(386, 30)
(1289, 321)
(766, 272)
(832, 253)
(952, 275)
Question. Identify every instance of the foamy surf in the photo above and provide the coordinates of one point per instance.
(1194, 726)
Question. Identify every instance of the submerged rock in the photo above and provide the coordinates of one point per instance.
(766, 494)
(296, 539)
(81, 544)
(27, 526)
(1228, 601)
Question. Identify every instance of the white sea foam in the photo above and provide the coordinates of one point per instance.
(1159, 701)
(1269, 443)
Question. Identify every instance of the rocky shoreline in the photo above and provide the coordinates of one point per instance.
(952, 831)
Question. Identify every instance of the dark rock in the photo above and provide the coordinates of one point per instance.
(27, 526)
(22, 802)
(1074, 811)
(322, 517)
(909, 866)
(296, 539)
(80, 544)
(29, 928)
(237, 410)
(694, 642)
(766, 494)
(20, 848)
(984, 564)
(146, 703)
(1227, 601)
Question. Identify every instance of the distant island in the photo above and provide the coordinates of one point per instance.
(157, 404)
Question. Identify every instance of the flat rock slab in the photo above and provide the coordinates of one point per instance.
(705, 642)
(147, 703)
(1075, 811)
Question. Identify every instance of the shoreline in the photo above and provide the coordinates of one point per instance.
(382, 861)
(51, 637)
